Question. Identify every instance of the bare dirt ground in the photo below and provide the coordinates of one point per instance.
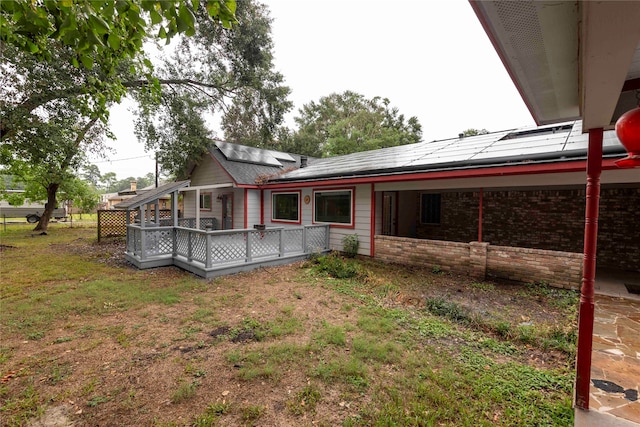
(127, 367)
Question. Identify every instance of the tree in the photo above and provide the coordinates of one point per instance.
(49, 153)
(82, 194)
(108, 180)
(228, 74)
(474, 132)
(105, 35)
(214, 70)
(91, 174)
(107, 31)
(347, 123)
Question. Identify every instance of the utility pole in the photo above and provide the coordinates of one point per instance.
(157, 169)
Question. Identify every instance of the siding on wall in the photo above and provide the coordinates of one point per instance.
(190, 206)
(208, 172)
(238, 208)
(362, 217)
(253, 208)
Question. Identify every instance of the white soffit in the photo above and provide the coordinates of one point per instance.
(610, 55)
(538, 43)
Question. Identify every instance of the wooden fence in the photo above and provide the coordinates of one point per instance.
(113, 223)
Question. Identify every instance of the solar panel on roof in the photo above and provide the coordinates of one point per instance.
(241, 153)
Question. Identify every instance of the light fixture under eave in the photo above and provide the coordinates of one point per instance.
(628, 132)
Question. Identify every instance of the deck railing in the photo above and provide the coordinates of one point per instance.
(209, 248)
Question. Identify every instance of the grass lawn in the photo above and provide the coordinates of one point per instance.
(89, 340)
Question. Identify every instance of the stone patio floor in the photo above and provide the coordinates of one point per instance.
(615, 365)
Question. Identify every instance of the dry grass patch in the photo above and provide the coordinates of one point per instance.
(91, 340)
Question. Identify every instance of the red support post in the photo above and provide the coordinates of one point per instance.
(480, 215)
(586, 313)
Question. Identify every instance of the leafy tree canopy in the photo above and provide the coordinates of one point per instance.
(347, 123)
(228, 74)
(46, 90)
(105, 37)
(474, 132)
(101, 32)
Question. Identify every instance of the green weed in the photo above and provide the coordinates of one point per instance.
(184, 392)
(305, 400)
(252, 413)
(483, 286)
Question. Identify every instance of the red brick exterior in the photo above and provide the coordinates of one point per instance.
(481, 260)
(543, 219)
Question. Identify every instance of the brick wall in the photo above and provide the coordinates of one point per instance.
(543, 219)
(459, 218)
(561, 269)
(619, 229)
(480, 260)
(448, 256)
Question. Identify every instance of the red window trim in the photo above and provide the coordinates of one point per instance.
(284, 221)
(351, 225)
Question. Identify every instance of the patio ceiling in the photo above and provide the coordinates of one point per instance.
(568, 59)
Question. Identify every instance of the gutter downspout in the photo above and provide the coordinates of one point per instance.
(586, 313)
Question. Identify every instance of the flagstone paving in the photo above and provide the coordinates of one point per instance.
(615, 358)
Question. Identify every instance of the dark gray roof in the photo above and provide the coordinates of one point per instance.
(260, 165)
(151, 195)
(559, 142)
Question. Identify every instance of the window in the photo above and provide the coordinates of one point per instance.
(430, 208)
(285, 207)
(333, 206)
(205, 201)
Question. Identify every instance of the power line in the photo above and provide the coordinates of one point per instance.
(122, 160)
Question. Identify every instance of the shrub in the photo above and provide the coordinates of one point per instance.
(350, 245)
(337, 267)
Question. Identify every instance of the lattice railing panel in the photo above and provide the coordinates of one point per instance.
(228, 247)
(133, 241)
(187, 222)
(316, 238)
(292, 238)
(265, 243)
(205, 223)
(182, 242)
(158, 242)
(198, 246)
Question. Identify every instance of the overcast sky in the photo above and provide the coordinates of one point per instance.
(431, 59)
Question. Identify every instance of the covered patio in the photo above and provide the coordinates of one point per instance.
(573, 60)
(195, 245)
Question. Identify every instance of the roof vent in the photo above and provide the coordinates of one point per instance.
(461, 135)
(303, 162)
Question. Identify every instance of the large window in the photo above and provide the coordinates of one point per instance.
(285, 207)
(430, 208)
(333, 206)
(205, 202)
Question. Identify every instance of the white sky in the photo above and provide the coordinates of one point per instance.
(432, 59)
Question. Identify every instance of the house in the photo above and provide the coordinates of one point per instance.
(109, 200)
(506, 204)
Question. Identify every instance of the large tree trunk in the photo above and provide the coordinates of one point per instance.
(43, 224)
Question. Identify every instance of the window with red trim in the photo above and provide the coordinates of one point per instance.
(333, 207)
(285, 207)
